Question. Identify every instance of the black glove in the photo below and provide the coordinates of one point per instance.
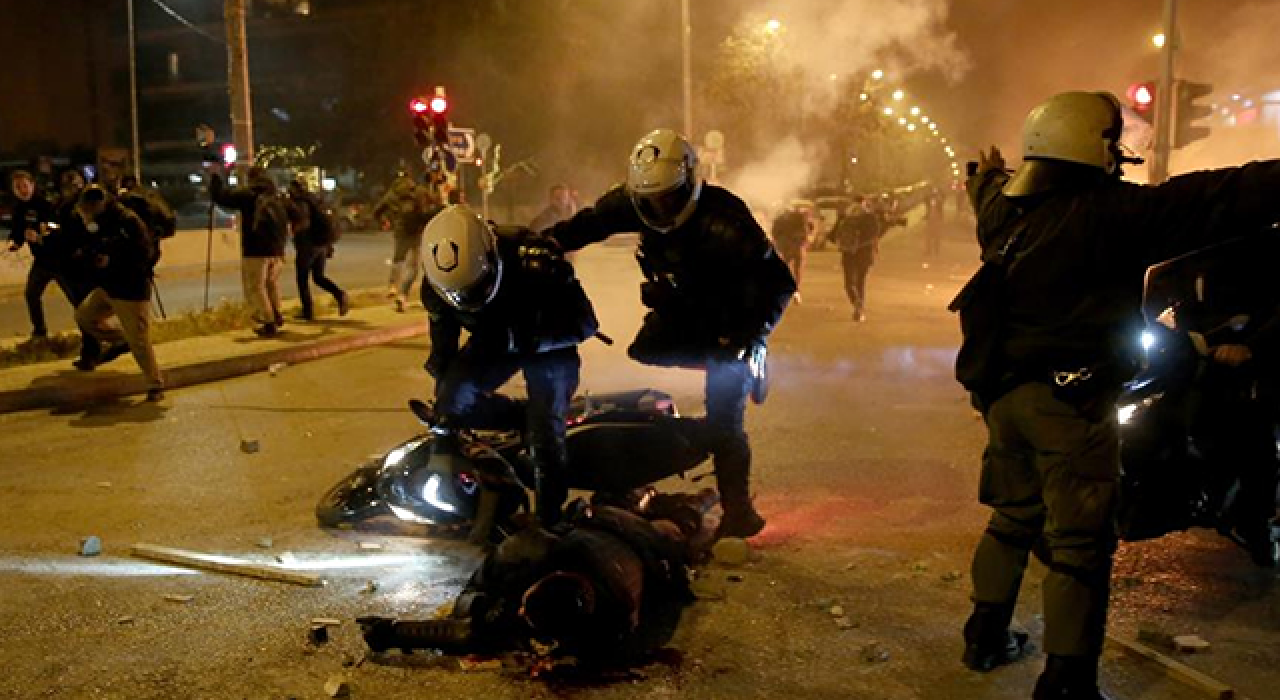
(541, 254)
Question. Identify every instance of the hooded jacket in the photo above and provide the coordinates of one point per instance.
(253, 242)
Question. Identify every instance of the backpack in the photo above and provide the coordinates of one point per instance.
(154, 211)
(270, 218)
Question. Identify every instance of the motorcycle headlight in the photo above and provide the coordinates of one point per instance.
(431, 494)
(1124, 413)
(1148, 340)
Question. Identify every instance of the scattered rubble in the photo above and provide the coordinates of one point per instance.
(266, 543)
(179, 597)
(371, 546)
(846, 623)
(249, 446)
(337, 687)
(125, 620)
(370, 586)
(90, 546)
(473, 663)
(735, 578)
(104, 484)
(952, 576)
(275, 368)
(836, 611)
(874, 652)
(326, 621)
(1190, 643)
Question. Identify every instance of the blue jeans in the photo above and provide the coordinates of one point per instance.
(466, 396)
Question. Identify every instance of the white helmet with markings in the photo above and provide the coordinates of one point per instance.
(662, 179)
(460, 258)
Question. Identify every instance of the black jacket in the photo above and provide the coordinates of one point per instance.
(718, 272)
(635, 569)
(312, 227)
(129, 249)
(245, 201)
(858, 232)
(49, 252)
(539, 306)
(1075, 280)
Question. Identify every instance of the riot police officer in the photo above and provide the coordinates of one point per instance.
(526, 312)
(1065, 244)
(715, 286)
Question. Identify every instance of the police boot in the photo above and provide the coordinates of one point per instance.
(1069, 678)
(988, 641)
(551, 492)
(449, 635)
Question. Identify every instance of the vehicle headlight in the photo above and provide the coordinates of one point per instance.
(431, 494)
(1124, 413)
(1148, 340)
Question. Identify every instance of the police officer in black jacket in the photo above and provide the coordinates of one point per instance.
(35, 226)
(716, 288)
(526, 312)
(1065, 244)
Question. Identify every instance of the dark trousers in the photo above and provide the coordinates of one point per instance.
(1238, 431)
(668, 341)
(38, 279)
(856, 265)
(1052, 473)
(465, 395)
(310, 264)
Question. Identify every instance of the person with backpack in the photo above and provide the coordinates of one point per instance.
(313, 239)
(264, 227)
(122, 253)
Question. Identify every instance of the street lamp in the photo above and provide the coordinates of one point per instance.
(915, 111)
(1158, 40)
(888, 111)
(877, 74)
(772, 26)
(898, 95)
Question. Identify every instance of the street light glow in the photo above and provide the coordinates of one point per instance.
(924, 120)
(902, 120)
(877, 74)
(772, 26)
(911, 127)
(888, 111)
(1158, 40)
(899, 94)
(915, 111)
(862, 97)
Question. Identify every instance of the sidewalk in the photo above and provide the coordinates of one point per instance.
(207, 358)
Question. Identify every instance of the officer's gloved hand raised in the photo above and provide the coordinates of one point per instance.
(991, 160)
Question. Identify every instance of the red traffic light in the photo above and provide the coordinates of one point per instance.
(418, 105)
(1142, 96)
(439, 105)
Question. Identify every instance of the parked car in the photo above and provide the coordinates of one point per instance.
(195, 215)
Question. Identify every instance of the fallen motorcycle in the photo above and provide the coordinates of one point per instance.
(616, 443)
(1176, 476)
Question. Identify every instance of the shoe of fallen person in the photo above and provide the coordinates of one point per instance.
(155, 395)
(113, 352)
(266, 330)
(84, 364)
(344, 304)
(741, 523)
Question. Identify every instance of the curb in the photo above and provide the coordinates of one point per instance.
(92, 390)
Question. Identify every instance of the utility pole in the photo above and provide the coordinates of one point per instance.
(238, 79)
(686, 55)
(1164, 96)
(133, 96)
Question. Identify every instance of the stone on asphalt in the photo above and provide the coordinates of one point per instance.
(845, 623)
(266, 543)
(337, 687)
(179, 597)
(1190, 643)
(837, 611)
(370, 586)
(874, 652)
(318, 634)
(249, 446)
(90, 546)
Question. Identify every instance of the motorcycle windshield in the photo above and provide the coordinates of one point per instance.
(1208, 288)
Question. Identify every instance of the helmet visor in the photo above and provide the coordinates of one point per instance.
(662, 209)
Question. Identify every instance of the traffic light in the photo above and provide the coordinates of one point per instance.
(1142, 99)
(1186, 112)
(431, 117)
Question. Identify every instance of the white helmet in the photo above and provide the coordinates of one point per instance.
(460, 258)
(1071, 127)
(662, 179)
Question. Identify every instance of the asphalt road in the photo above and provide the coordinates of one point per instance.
(866, 462)
(362, 261)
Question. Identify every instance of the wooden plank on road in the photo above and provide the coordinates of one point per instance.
(224, 565)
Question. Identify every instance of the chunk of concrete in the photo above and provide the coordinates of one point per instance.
(1190, 643)
(337, 687)
(250, 446)
(90, 546)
